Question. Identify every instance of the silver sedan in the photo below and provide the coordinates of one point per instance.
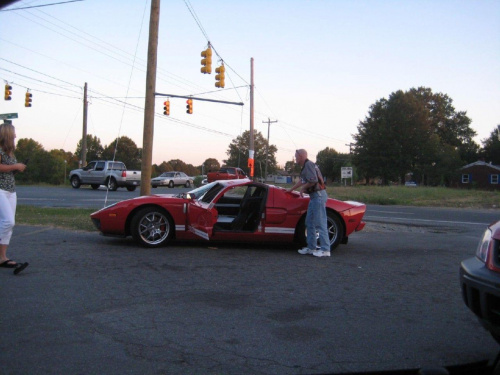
(172, 179)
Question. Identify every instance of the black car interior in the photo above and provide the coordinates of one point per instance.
(240, 209)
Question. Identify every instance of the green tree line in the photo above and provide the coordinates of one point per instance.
(414, 133)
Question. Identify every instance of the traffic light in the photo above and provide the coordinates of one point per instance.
(27, 100)
(166, 108)
(206, 61)
(8, 92)
(189, 107)
(219, 78)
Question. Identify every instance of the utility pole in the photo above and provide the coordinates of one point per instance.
(149, 107)
(251, 161)
(83, 160)
(349, 144)
(269, 122)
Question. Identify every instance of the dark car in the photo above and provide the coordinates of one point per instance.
(480, 281)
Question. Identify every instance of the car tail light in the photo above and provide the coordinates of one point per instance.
(483, 246)
(124, 173)
(494, 257)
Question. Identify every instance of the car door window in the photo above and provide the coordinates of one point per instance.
(212, 193)
(100, 166)
(90, 166)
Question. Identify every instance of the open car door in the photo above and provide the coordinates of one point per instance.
(201, 213)
(201, 218)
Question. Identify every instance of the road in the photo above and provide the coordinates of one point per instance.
(416, 216)
(390, 299)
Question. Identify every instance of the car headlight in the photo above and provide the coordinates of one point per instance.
(484, 245)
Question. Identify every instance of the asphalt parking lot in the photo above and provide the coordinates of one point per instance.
(88, 304)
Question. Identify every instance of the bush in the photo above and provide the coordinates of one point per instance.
(197, 181)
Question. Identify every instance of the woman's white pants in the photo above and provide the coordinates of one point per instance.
(8, 202)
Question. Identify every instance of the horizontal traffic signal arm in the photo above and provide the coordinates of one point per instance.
(200, 99)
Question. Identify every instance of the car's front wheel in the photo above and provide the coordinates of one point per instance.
(75, 182)
(333, 226)
(152, 227)
(131, 188)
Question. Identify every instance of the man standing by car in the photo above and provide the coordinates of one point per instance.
(311, 182)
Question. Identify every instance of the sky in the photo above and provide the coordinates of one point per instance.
(318, 67)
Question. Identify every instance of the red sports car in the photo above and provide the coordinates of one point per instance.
(232, 210)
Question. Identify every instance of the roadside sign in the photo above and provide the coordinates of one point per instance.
(7, 116)
(346, 172)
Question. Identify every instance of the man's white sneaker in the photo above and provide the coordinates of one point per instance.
(321, 253)
(306, 250)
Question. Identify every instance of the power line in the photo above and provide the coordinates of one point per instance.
(197, 20)
(39, 6)
(33, 70)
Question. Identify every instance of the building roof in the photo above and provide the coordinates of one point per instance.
(481, 163)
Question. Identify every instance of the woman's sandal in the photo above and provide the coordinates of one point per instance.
(6, 264)
(20, 267)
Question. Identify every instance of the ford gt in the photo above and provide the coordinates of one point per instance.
(232, 210)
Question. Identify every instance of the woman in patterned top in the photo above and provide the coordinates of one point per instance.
(8, 197)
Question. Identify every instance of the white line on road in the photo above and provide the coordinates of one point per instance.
(424, 220)
(393, 212)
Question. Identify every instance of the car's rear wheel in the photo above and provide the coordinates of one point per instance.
(171, 184)
(188, 184)
(151, 227)
(131, 188)
(112, 185)
(95, 186)
(334, 228)
(75, 182)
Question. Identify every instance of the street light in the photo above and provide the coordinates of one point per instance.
(64, 177)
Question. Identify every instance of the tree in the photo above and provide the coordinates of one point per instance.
(292, 167)
(126, 152)
(177, 165)
(159, 169)
(191, 170)
(411, 132)
(491, 147)
(453, 128)
(210, 165)
(330, 163)
(238, 153)
(34, 151)
(94, 148)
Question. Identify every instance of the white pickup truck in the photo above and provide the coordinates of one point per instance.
(112, 174)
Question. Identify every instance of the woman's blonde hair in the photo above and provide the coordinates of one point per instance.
(7, 138)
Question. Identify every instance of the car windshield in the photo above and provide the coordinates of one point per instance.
(167, 174)
(200, 192)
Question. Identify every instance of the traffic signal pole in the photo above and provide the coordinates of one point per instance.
(83, 160)
(251, 161)
(149, 107)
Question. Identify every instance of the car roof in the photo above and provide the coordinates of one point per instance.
(242, 181)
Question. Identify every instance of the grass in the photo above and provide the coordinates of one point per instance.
(78, 218)
(69, 218)
(417, 196)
